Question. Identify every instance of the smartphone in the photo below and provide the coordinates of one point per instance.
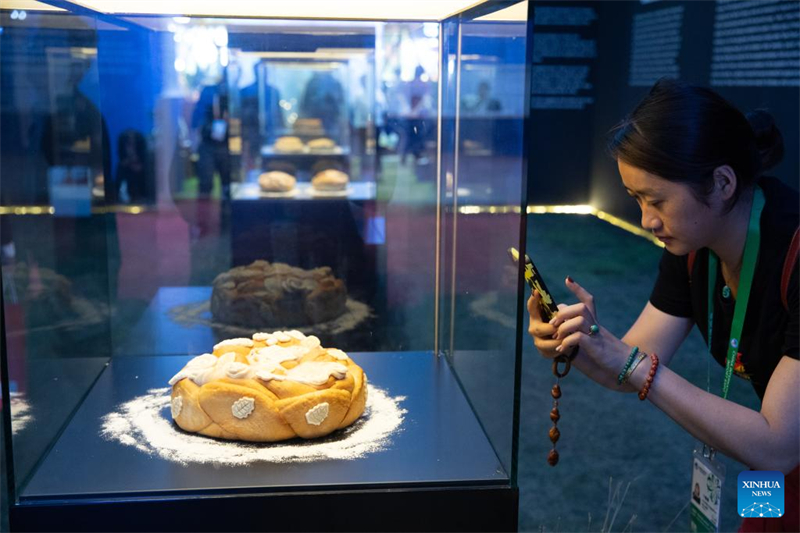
(535, 281)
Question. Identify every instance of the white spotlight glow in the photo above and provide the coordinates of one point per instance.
(430, 29)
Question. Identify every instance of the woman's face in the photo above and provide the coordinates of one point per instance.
(670, 210)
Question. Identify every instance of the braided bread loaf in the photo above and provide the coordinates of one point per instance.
(272, 387)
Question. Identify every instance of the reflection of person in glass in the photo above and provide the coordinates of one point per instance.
(132, 167)
(76, 148)
(74, 133)
(360, 115)
(210, 116)
(696, 167)
(420, 107)
(323, 99)
(8, 250)
(696, 492)
(254, 134)
(482, 103)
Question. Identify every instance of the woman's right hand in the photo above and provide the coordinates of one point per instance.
(541, 331)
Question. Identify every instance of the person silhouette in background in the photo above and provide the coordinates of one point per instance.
(360, 115)
(323, 99)
(132, 169)
(8, 251)
(75, 130)
(482, 103)
(75, 138)
(211, 117)
(419, 110)
(253, 136)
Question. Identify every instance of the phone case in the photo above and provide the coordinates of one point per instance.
(535, 281)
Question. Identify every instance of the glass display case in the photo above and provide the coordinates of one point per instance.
(314, 185)
(308, 113)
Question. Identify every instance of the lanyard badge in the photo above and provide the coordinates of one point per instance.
(707, 473)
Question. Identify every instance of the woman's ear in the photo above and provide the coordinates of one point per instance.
(725, 182)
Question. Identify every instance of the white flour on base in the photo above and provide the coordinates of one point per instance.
(145, 423)
(199, 314)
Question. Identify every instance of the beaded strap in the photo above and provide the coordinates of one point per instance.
(628, 363)
(650, 376)
(555, 415)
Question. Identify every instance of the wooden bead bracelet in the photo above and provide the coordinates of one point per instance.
(650, 376)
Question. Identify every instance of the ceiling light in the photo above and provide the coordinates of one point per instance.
(296, 9)
(515, 13)
(27, 5)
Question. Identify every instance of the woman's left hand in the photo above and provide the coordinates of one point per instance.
(574, 328)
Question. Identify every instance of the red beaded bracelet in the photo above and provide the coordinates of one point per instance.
(650, 376)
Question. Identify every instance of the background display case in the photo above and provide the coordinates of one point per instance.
(320, 102)
(104, 302)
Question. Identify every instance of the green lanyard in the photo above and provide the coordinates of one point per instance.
(745, 281)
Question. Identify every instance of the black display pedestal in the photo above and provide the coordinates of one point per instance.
(439, 471)
(412, 509)
(309, 232)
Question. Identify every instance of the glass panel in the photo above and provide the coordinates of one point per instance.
(482, 208)
(56, 280)
(408, 147)
(259, 155)
(451, 36)
(172, 182)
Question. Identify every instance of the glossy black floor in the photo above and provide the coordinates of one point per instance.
(611, 443)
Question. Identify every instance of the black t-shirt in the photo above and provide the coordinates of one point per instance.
(770, 331)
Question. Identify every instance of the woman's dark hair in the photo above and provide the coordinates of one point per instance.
(682, 133)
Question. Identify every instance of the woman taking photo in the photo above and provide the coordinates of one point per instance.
(695, 164)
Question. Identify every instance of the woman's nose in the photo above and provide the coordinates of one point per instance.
(650, 221)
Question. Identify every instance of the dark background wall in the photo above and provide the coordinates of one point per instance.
(567, 155)
(563, 86)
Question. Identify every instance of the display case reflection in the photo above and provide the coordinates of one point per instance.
(305, 121)
(72, 140)
(491, 110)
(302, 130)
(304, 103)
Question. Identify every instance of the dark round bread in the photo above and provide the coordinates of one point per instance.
(265, 294)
